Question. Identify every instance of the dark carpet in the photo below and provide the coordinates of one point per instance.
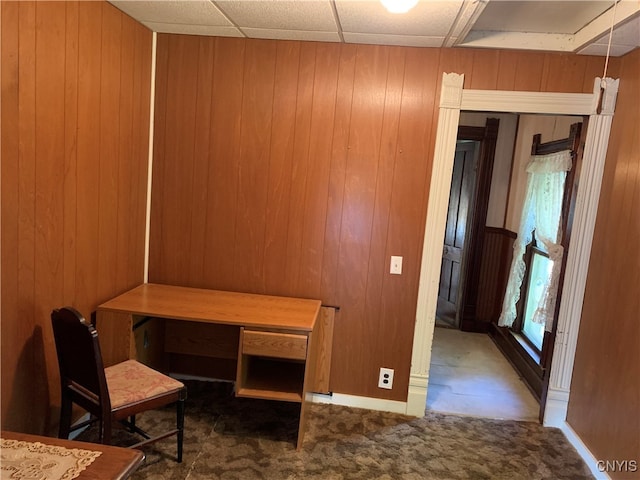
(236, 438)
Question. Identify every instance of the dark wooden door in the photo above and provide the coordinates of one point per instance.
(458, 214)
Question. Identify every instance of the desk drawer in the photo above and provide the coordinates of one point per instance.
(277, 345)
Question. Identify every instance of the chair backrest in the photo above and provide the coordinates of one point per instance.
(80, 360)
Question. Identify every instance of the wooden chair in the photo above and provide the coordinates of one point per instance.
(115, 393)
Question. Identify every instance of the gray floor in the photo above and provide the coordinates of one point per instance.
(469, 376)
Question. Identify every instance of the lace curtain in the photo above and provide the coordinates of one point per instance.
(541, 213)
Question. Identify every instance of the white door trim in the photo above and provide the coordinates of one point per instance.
(453, 99)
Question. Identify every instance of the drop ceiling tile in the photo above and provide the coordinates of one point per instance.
(535, 16)
(291, 35)
(601, 50)
(208, 30)
(192, 12)
(625, 34)
(625, 38)
(428, 18)
(396, 40)
(308, 15)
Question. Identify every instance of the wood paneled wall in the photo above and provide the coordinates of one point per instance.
(296, 168)
(75, 128)
(497, 253)
(604, 407)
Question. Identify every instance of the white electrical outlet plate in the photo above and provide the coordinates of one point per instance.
(386, 378)
(396, 265)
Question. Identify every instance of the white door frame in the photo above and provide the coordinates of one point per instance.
(453, 99)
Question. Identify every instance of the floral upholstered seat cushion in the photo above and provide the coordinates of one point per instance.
(131, 381)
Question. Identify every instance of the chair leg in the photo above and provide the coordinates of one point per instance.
(180, 426)
(105, 431)
(65, 417)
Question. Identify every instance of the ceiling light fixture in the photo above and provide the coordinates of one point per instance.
(399, 6)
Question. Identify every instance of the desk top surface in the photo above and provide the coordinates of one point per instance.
(113, 463)
(215, 306)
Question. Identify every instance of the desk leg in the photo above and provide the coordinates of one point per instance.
(309, 381)
(115, 331)
(303, 424)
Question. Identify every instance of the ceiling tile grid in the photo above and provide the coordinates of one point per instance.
(580, 26)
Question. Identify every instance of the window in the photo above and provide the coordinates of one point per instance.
(539, 275)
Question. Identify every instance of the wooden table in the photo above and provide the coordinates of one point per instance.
(266, 344)
(113, 463)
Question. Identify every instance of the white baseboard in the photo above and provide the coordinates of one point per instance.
(361, 402)
(555, 415)
(415, 405)
(417, 395)
(555, 411)
(584, 452)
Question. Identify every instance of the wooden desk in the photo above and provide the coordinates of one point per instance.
(114, 463)
(269, 342)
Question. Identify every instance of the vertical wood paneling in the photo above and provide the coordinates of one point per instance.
(88, 171)
(529, 72)
(607, 362)
(198, 213)
(497, 251)
(109, 129)
(358, 210)
(484, 75)
(224, 150)
(300, 164)
(408, 209)
(458, 60)
(281, 164)
(507, 68)
(338, 165)
(257, 104)
(26, 180)
(387, 158)
(70, 147)
(177, 169)
(318, 169)
(594, 67)
(16, 347)
(62, 183)
(562, 72)
(126, 170)
(49, 206)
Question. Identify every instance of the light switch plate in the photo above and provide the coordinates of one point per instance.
(396, 265)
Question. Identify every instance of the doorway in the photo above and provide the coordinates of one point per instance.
(495, 255)
(459, 214)
(465, 223)
(453, 99)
